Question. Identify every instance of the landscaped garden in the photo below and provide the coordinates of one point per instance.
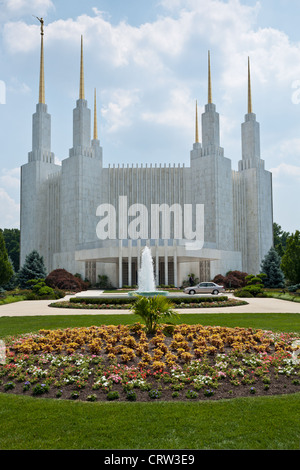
(260, 420)
(124, 302)
(123, 362)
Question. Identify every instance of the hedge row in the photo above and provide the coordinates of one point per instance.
(129, 300)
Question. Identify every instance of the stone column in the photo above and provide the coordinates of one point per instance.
(129, 262)
(175, 263)
(166, 262)
(120, 264)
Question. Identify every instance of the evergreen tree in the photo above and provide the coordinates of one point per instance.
(6, 270)
(33, 268)
(290, 263)
(271, 267)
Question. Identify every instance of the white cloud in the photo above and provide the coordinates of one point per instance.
(14, 30)
(9, 211)
(286, 176)
(23, 7)
(15, 86)
(178, 110)
(119, 108)
(10, 178)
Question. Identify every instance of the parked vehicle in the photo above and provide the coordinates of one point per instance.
(204, 288)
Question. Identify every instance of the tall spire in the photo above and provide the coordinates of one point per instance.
(81, 87)
(42, 75)
(209, 81)
(249, 89)
(95, 117)
(196, 126)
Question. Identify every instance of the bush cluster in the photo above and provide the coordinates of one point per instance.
(122, 300)
(62, 279)
(232, 280)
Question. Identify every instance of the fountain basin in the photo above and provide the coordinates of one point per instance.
(148, 293)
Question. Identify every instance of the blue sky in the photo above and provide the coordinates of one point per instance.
(148, 61)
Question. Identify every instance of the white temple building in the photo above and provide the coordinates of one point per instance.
(205, 218)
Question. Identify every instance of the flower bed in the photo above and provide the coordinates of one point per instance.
(122, 303)
(184, 362)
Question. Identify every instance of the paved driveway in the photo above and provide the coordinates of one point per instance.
(41, 307)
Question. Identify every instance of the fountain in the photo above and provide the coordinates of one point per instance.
(146, 281)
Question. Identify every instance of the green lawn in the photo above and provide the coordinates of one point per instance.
(252, 423)
(287, 322)
(246, 423)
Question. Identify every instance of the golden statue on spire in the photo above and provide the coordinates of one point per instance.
(42, 24)
(42, 77)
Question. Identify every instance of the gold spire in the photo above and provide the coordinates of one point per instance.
(197, 134)
(42, 76)
(95, 117)
(249, 89)
(81, 87)
(209, 81)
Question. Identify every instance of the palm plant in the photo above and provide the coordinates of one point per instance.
(153, 310)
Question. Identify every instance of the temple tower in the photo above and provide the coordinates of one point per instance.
(80, 181)
(211, 177)
(34, 220)
(252, 195)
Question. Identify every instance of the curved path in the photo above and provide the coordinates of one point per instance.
(41, 307)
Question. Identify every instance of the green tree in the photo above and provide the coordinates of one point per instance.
(13, 281)
(290, 262)
(33, 268)
(270, 265)
(12, 242)
(279, 239)
(6, 270)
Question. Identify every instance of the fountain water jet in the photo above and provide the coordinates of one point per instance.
(146, 281)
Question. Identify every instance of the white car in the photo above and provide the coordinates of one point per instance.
(204, 288)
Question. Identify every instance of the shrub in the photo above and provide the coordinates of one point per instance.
(131, 395)
(154, 394)
(232, 280)
(9, 386)
(294, 288)
(242, 293)
(254, 290)
(39, 389)
(104, 282)
(112, 395)
(63, 280)
(92, 397)
(191, 394)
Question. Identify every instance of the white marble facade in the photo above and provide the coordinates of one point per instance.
(59, 205)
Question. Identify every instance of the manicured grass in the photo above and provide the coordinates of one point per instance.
(251, 423)
(245, 423)
(287, 322)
